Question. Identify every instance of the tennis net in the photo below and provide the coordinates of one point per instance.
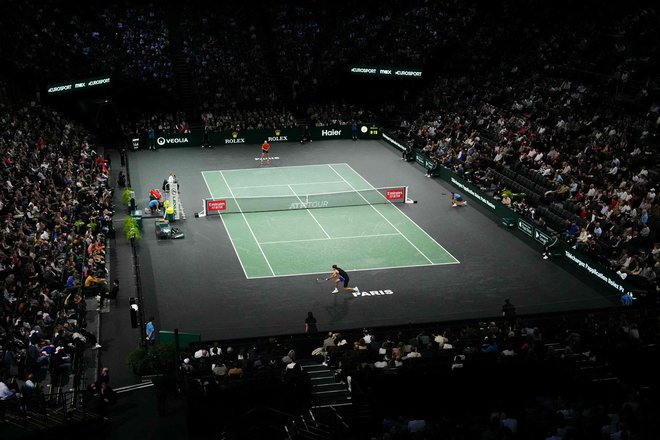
(373, 196)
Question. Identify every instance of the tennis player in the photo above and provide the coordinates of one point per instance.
(265, 150)
(340, 276)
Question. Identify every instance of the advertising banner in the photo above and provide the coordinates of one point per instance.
(215, 205)
(252, 137)
(386, 72)
(81, 84)
(424, 161)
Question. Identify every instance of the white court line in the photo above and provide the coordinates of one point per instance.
(330, 238)
(278, 168)
(288, 184)
(317, 222)
(404, 214)
(397, 229)
(227, 230)
(248, 225)
(356, 270)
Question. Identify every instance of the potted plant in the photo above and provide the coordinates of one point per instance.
(126, 197)
(147, 362)
(131, 228)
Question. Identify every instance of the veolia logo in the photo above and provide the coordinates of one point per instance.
(162, 141)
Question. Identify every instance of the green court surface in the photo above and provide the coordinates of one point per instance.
(288, 242)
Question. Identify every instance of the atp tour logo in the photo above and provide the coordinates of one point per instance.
(311, 204)
(235, 139)
(277, 137)
(373, 293)
(162, 141)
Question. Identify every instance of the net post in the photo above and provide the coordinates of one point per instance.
(202, 213)
(408, 199)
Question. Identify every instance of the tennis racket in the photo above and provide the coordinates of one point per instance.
(321, 280)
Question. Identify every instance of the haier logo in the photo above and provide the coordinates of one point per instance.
(162, 141)
(373, 293)
(330, 132)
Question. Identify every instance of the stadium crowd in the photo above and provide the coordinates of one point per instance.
(580, 165)
(55, 41)
(56, 208)
(594, 384)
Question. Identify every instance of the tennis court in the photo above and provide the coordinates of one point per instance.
(272, 220)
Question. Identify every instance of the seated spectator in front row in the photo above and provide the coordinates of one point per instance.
(457, 200)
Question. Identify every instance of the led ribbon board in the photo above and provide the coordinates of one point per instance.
(82, 84)
(391, 72)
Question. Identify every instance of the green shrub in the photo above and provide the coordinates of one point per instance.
(126, 195)
(131, 228)
(159, 360)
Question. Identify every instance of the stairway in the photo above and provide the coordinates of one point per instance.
(326, 391)
(186, 88)
(47, 410)
(265, 38)
(308, 427)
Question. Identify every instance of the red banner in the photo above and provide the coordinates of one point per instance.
(216, 205)
(395, 194)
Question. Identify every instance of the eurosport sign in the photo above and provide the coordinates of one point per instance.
(388, 72)
(81, 84)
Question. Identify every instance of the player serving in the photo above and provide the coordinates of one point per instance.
(265, 150)
(340, 276)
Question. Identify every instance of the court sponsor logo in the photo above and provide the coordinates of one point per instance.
(235, 139)
(595, 271)
(216, 205)
(162, 141)
(305, 205)
(373, 293)
(278, 137)
(263, 159)
(393, 142)
(394, 194)
(473, 193)
(326, 133)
